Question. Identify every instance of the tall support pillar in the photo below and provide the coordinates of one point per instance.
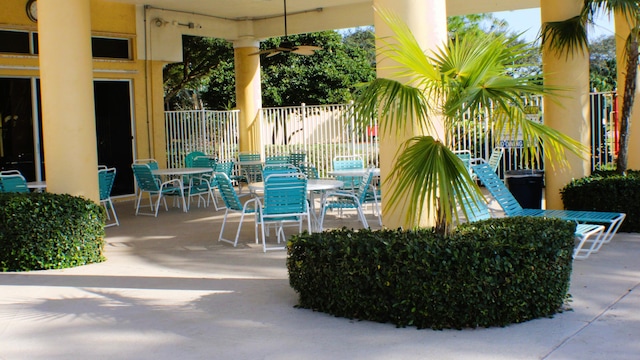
(68, 114)
(248, 95)
(570, 112)
(622, 30)
(428, 22)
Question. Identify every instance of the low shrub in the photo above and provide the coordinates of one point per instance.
(49, 231)
(488, 273)
(606, 191)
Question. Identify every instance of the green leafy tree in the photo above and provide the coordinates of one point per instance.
(183, 81)
(602, 64)
(570, 35)
(327, 77)
(465, 74)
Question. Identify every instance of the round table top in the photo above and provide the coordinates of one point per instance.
(355, 172)
(182, 171)
(312, 185)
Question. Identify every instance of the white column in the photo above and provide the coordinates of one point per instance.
(68, 114)
(569, 113)
(427, 20)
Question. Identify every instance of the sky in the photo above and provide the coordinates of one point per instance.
(529, 21)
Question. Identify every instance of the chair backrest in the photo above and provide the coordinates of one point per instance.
(188, 159)
(465, 157)
(248, 156)
(227, 192)
(297, 158)
(497, 189)
(363, 192)
(13, 181)
(224, 167)
(204, 161)
(345, 162)
(278, 169)
(106, 177)
(495, 158)
(277, 159)
(285, 194)
(153, 163)
(309, 169)
(144, 177)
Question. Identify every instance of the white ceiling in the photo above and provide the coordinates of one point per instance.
(256, 9)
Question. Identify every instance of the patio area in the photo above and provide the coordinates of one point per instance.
(170, 290)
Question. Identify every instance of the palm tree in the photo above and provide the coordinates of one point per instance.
(464, 75)
(571, 35)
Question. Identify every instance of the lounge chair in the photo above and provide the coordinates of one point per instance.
(589, 222)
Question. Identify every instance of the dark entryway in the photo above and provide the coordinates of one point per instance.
(21, 138)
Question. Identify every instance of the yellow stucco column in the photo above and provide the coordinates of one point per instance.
(570, 114)
(248, 95)
(428, 22)
(66, 73)
(622, 32)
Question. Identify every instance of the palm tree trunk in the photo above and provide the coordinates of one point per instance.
(627, 103)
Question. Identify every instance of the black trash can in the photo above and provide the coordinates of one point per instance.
(526, 187)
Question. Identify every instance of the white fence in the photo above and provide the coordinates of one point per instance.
(326, 131)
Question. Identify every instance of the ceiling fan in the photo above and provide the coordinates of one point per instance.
(286, 46)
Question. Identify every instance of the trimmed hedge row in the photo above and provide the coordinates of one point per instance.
(488, 273)
(49, 231)
(606, 191)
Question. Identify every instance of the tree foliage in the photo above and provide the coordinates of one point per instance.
(602, 64)
(327, 77)
(201, 57)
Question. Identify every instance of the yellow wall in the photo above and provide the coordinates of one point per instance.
(107, 19)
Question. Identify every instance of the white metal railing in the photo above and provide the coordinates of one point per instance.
(212, 132)
(326, 131)
(603, 129)
(321, 131)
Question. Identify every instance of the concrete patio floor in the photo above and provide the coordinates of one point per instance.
(170, 290)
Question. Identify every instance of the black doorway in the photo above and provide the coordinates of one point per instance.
(113, 131)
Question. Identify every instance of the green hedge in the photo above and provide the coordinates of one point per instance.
(606, 191)
(49, 231)
(489, 273)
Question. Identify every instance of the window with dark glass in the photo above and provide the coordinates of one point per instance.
(16, 42)
(110, 48)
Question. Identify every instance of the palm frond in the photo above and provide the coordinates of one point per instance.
(566, 36)
(402, 106)
(427, 172)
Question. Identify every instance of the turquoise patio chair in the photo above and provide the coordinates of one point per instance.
(284, 202)
(297, 158)
(150, 184)
(204, 183)
(190, 157)
(346, 162)
(13, 181)
(106, 177)
(344, 199)
(597, 227)
(277, 159)
(233, 204)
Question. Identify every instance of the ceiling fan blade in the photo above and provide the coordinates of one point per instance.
(267, 51)
(276, 52)
(306, 49)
